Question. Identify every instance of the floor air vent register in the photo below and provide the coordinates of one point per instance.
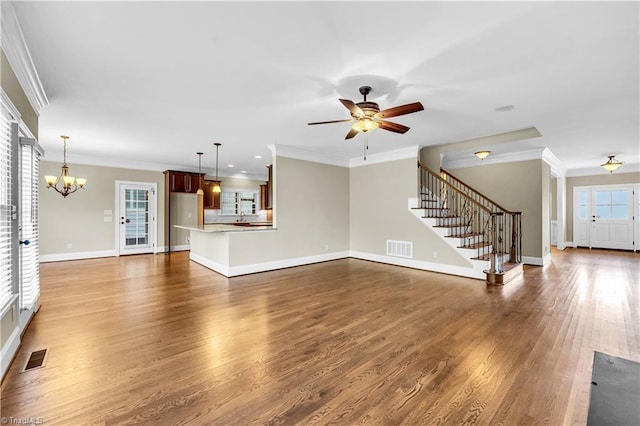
(36, 360)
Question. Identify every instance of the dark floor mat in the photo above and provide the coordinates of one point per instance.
(615, 391)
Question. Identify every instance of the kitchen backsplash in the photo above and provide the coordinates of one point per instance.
(214, 216)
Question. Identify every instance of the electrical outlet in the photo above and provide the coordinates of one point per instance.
(188, 240)
(326, 247)
(435, 254)
(69, 245)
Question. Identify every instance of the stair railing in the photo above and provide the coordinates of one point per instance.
(513, 220)
(475, 224)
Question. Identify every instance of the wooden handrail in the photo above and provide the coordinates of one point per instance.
(500, 228)
(437, 176)
(479, 193)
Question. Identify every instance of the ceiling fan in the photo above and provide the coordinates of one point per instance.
(367, 115)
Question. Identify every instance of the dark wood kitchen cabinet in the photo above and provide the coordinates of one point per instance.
(182, 181)
(266, 190)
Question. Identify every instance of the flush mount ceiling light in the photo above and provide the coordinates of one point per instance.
(216, 187)
(611, 165)
(200, 191)
(70, 184)
(482, 154)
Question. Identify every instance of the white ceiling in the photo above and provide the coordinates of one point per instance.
(155, 82)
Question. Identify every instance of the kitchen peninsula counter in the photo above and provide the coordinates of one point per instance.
(225, 227)
(217, 245)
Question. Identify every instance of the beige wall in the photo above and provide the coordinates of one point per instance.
(311, 213)
(12, 88)
(379, 212)
(517, 186)
(605, 178)
(78, 219)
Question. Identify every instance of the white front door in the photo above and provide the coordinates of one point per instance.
(604, 217)
(136, 232)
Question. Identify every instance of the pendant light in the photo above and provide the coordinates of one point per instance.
(70, 184)
(200, 191)
(216, 187)
(612, 164)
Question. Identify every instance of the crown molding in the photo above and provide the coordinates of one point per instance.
(511, 157)
(307, 155)
(17, 52)
(387, 156)
(544, 154)
(381, 157)
(57, 156)
(597, 170)
(557, 168)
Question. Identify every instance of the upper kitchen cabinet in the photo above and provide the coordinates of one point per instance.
(182, 181)
(269, 198)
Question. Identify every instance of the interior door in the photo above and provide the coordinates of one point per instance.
(604, 217)
(136, 218)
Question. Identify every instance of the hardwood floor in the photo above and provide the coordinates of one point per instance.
(161, 340)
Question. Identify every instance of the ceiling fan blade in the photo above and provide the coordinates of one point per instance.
(351, 133)
(329, 122)
(392, 127)
(355, 109)
(399, 110)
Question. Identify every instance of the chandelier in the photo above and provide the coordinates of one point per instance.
(70, 184)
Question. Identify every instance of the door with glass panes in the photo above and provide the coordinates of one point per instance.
(136, 218)
(604, 217)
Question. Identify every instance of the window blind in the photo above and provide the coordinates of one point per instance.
(29, 258)
(6, 203)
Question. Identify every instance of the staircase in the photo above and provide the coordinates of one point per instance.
(484, 232)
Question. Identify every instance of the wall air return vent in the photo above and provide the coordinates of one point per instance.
(400, 248)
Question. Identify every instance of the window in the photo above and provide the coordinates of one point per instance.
(29, 258)
(6, 212)
(234, 203)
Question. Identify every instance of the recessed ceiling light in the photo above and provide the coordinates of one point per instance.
(258, 156)
(243, 171)
(230, 165)
(504, 108)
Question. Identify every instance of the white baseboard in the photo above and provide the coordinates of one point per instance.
(536, 261)
(234, 271)
(76, 256)
(9, 350)
(422, 265)
(217, 267)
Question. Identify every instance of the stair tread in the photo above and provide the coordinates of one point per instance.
(475, 245)
(487, 256)
(468, 234)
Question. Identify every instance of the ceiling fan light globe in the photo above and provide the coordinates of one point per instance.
(364, 125)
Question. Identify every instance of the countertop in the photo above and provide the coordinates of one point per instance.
(226, 227)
